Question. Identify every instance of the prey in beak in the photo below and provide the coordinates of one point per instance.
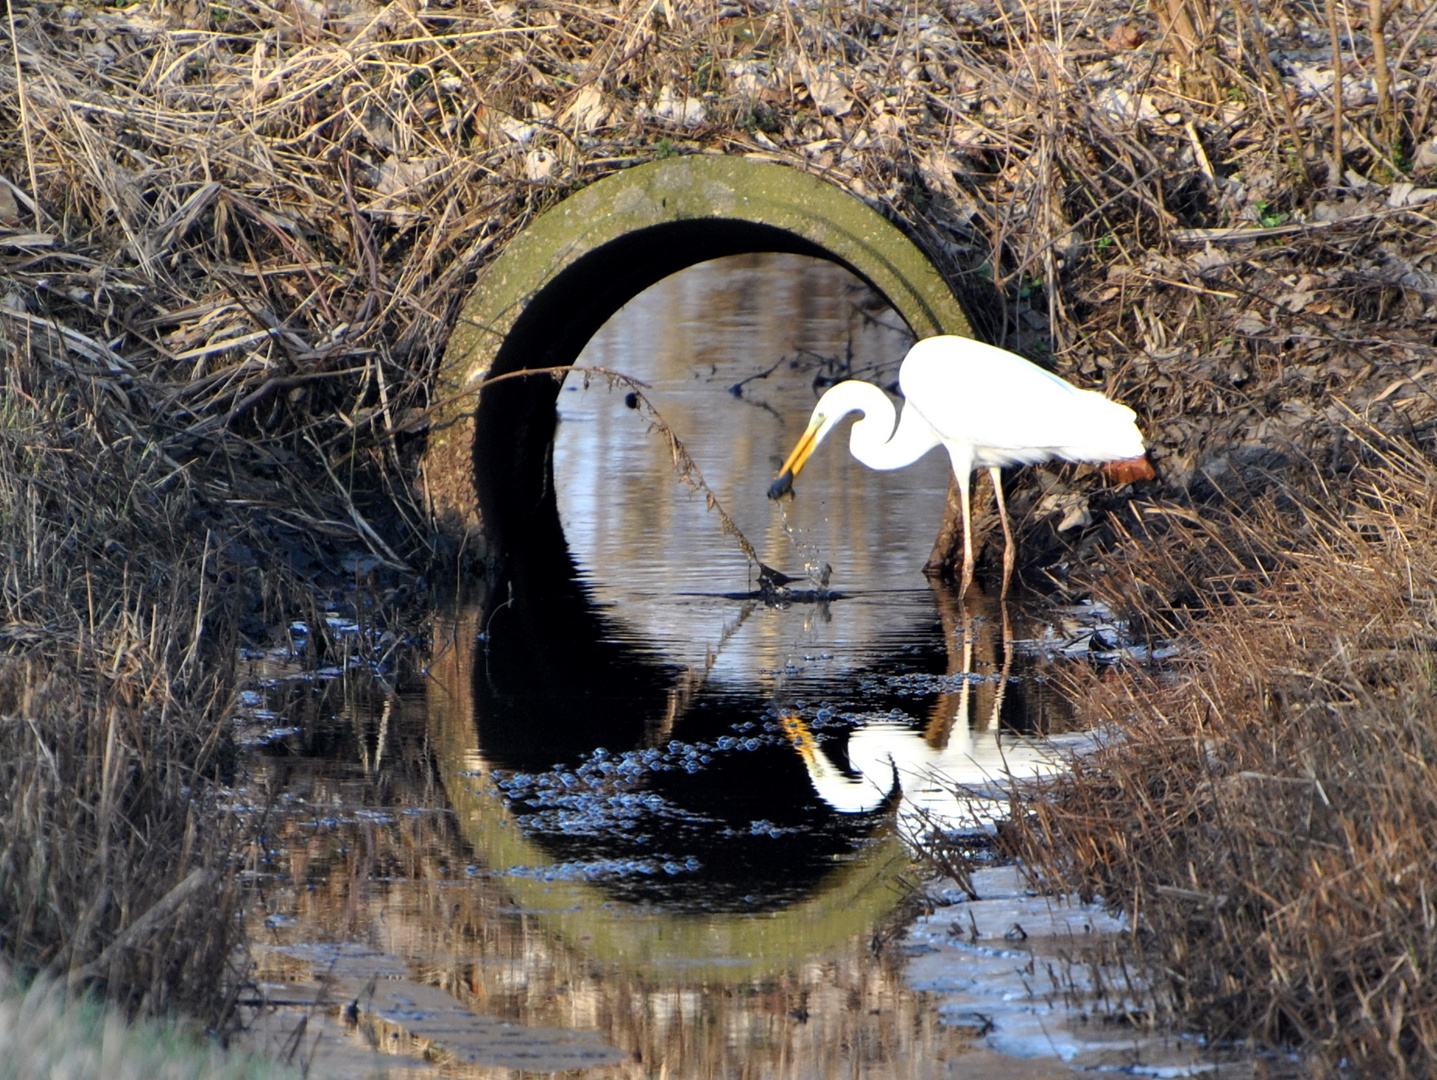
(783, 485)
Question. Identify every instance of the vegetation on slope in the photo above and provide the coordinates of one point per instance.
(233, 238)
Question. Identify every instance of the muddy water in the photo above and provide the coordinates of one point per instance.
(645, 823)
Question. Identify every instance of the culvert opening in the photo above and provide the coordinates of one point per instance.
(486, 468)
(735, 352)
(514, 421)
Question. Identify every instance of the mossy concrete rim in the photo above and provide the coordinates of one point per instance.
(706, 190)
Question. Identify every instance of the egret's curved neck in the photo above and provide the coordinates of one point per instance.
(874, 441)
(847, 794)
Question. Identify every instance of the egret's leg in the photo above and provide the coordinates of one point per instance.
(995, 722)
(964, 480)
(1008, 553)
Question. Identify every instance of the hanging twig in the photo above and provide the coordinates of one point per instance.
(685, 467)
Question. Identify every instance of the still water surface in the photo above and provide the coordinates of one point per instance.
(648, 824)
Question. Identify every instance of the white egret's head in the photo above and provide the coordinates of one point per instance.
(836, 403)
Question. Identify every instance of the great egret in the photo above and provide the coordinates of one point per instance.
(989, 408)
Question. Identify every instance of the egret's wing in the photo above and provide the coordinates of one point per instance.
(989, 398)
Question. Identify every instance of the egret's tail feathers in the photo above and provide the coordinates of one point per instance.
(1130, 469)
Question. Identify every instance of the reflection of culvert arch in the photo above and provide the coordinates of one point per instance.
(721, 948)
(540, 302)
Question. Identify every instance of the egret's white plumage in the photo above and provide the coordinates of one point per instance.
(989, 408)
(963, 783)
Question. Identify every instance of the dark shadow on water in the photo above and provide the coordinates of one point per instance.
(633, 772)
(664, 787)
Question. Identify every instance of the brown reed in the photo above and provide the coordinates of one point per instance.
(1263, 815)
(114, 679)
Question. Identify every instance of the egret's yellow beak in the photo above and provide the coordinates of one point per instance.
(806, 445)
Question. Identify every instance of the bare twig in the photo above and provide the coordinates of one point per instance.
(147, 923)
(1386, 128)
(685, 468)
(24, 106)
(1338, 168)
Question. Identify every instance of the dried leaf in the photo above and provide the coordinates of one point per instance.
(1250, 323)
(539, 164)
(1209, 262)
(1073, 506)
(1313, 79)
(401, 187)
(1122, 106)
(1126, 36)
(681, 112)
(938, 168)
(9, 208)
(520, 131)
(746, 77)
(830, 97)
(1405, 194)
(588, 110)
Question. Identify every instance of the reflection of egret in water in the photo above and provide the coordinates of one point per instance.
(667, 786)
(955, 771)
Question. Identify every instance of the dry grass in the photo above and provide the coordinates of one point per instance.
(234, 236)
(43, 1034)
(1266, 815)
(113, 866)
(114, 863)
